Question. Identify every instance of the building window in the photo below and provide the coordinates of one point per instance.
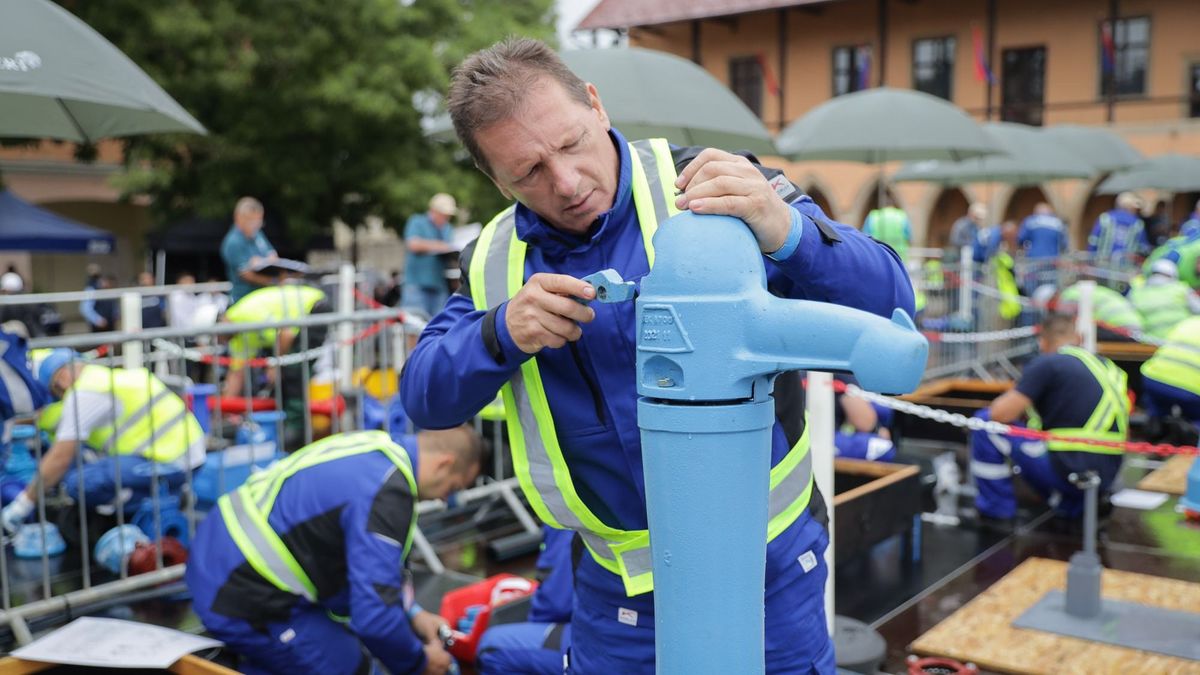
(1124, 51)
(1022, 87)
(1194, 90)
(933, 66)
(851, 69)
(746, 80)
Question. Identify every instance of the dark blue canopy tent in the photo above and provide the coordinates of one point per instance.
(25, 227)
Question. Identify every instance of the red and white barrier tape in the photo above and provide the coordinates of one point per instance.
(983, 336)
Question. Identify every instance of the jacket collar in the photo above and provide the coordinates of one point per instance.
(536, 232)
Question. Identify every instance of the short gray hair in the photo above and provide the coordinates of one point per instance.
(491, 84)
(248, 205)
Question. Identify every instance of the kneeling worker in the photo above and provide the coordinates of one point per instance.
(141, 429)
(324, 534)
(1171, 377)
(1074, 393)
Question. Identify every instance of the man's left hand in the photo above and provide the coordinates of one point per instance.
(425, 625)
(718, 182)
(15, 513)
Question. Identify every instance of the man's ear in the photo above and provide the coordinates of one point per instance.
(594, 99)
(506, 193)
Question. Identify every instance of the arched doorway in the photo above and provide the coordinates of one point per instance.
(951, 205)
(1182, 206)
(1022, 201)
(872, 203)
(1092, 208)
(819, 198)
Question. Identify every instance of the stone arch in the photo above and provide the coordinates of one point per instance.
(868, 200)
(1181, 207)
(819, 197)
(950, 205)
(1022, 201)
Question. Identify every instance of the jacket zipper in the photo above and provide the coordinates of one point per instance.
(591, 384)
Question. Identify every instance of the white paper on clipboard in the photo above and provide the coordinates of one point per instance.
(113, 643)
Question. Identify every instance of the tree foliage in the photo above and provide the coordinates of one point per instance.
(311, 105)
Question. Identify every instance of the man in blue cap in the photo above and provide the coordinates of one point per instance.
(141, 429)
(588, 200)
(302, 568)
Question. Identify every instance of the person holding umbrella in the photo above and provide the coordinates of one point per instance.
(587, 199)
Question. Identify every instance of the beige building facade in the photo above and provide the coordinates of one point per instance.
(1131, 66)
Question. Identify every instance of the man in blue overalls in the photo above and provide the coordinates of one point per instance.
(1066, 391)
(588, 200)
(302, 568)
(536, 646)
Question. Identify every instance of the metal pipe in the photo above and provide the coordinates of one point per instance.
(64, 602)
(111, 293)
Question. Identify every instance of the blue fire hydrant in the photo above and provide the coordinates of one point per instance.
(711, 340)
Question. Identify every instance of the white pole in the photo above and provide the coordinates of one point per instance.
(131, 322)
(819, 400)
(345, 364)
(966, 279)
(1085, 321)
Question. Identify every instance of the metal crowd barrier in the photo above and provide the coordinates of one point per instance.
(341, 366)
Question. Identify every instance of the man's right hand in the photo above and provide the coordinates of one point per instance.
(544, 313)
(437, 659)
(15, 513)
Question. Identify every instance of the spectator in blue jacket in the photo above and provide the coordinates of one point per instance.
(244, 247)
(543, 137)
(1043, 234)
(1119, 235)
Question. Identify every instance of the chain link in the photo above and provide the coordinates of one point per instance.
(983, 336)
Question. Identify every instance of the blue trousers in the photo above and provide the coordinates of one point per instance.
(1159, 398)
(428, 300)
(990, 457)
(100, 478)
(524, 649)
(864, 445)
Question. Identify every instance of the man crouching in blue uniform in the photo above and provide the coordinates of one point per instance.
(301, 569)
(586, 200)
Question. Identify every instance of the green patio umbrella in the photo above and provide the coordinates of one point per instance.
(650, 94)
(882, 125)
(1030, 158)
(1101, 148)
(1169, 173)
(61, 79)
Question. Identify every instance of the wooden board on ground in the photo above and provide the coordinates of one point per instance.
(1170, 478)
(981, 631)
(1126, 351)
(188, 665)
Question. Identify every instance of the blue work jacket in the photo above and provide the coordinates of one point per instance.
(590, 384)
(1043, 235)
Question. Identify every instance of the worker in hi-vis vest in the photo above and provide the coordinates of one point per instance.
(139, 430)
(1066, 391)
(302, 568)
(587, 199)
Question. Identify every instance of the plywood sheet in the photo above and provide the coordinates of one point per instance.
(981, 631)
(1170, 478)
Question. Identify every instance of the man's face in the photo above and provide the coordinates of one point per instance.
(249, 222)
(554, 156)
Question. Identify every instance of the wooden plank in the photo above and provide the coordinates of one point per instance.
(1126, 351)
(888, 474)
(194, 665)
(1170, 478)
(940, 387)
(11, 665)
(981, 631)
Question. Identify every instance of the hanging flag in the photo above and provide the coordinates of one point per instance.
(862, 62)
(768, 76)
(983, 71)
(1108, 49)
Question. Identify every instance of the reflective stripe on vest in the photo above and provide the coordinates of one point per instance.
(153, 421)
(497, 272)
(246, 509)
(1162, 306)
(1177, 362)
(274, 303)
(1111, 411)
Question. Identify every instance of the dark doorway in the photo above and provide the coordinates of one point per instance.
(1022, 202)
(1194, 90)
(1022, 90)
(951, 205)
(820, 200)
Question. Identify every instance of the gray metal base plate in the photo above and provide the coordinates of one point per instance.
(1125, 624)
